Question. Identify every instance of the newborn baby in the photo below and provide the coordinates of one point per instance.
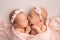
(19, 21)
(37, 18)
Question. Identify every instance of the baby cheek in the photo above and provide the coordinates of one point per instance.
(21, 24)
(31, 21)
(25, 22)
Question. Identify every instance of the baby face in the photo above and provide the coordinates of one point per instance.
(21, 20)
(34, 17)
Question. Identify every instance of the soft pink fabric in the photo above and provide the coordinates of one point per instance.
(8, 33)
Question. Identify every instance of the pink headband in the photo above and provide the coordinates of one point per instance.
(14, 16)
(38, 11)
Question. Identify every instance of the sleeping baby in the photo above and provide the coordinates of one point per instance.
(37, 18)
(19, 21)
(35, 23)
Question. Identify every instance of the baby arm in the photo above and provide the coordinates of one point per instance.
(28, 29)
(43, 28)
(33, 32)
(35, 27)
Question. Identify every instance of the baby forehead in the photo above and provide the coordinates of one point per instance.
(21, 15)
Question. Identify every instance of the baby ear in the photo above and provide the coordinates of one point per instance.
(15, 25)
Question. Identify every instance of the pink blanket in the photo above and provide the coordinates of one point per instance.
(7, 32)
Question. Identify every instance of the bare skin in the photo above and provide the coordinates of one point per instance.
(21, 23)
(36, 22)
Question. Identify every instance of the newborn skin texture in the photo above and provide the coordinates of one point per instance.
(37, 17)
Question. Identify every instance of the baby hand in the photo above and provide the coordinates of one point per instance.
(43, 28)
(28, 29)
(35, 27)
(33, 32)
